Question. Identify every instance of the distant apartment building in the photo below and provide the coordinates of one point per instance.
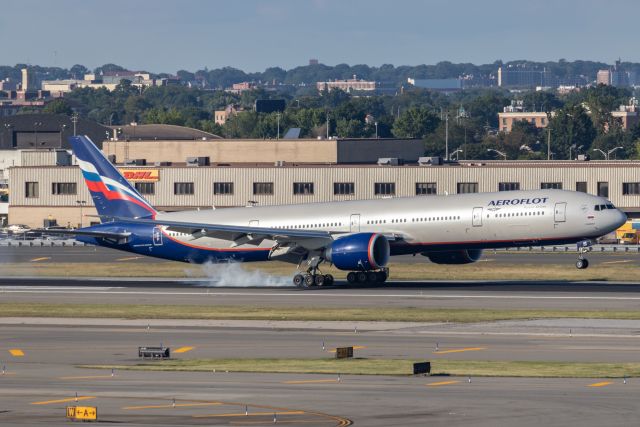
(108, 80)
(520, 77)
(238, 88)
(221, 116)
(443, 85)
(348, 85)
(516, 113)
(628, 115)
(616, 76)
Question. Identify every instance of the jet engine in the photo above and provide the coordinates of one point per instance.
(464, 256)
(361, 251)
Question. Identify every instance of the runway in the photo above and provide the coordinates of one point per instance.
(37, 386)
(424, 294)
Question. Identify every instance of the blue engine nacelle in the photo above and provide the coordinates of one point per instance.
(464, 256)
(361, 251)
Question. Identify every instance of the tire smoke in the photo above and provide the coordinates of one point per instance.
(233, 274)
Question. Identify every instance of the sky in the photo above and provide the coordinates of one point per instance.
(169, 35)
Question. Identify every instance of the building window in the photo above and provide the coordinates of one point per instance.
(60, 188)
(551, 186)
(31, 190)
(425, 188)
(145, 187)
(263, 188)
(508, 186)
(182, 188)
(467, 187)
(630, 188)
(343, 188)
(543, 121)
(384, 188)
(303, 188)
(581, 186)
(223, 188)
(603, 189)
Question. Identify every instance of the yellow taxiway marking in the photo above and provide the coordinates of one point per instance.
(309, 381)
(170, 405)
(44, 258)
(618, 262)
(183, 349)
(129, 258)
(88, 377)
(459, 350)
(355, 347)
(442, 383)
(601, 384)
(70, 399)
(16, 352)
(250, 414)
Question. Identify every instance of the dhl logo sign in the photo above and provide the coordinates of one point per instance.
(141, 175)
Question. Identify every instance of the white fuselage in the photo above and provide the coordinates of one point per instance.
(424, 223)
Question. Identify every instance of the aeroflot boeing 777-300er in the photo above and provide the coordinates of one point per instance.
(356, 236)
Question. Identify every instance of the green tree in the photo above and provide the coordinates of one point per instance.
(415, 123)
(58, 106)
(571, 127)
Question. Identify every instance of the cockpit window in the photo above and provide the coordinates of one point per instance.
(597, 207)
(610, 206)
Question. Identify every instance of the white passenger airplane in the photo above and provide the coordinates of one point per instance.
(356, 236)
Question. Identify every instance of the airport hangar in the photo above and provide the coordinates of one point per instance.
(200, 174)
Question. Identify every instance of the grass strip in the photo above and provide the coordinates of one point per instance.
(482, 270)
(363, 366)
(254, 312)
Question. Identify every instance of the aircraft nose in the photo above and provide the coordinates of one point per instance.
(621, 218)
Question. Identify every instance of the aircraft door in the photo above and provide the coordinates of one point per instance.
(560, 212)
(157, 236)
(354, 223)
(476, 218)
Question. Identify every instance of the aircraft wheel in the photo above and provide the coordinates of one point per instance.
(319, 280)
(362, 277)
(309, 280)
(372, 277)
(298, 280)
(328, 279)
(382, 276)
(581, 264)
(352, 278)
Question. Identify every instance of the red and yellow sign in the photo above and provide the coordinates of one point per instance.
(141, 175)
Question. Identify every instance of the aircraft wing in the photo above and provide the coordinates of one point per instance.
(242, 235)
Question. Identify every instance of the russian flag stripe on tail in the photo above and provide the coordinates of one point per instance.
(112, 194)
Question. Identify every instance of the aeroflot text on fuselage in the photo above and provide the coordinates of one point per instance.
(511, 202)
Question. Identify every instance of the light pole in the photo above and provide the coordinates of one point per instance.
(497, 152)
(74, 119)
(376, 123)
(62, 128)
(81, 203)
(613, 150)
(278, 119)
(446, 135)
(604, 155)
(459, 150)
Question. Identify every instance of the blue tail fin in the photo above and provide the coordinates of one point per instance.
(112, 194)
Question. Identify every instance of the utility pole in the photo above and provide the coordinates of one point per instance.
(446, 136)
(327, 125)
(278, 118)
(548, 143)
(74, 119)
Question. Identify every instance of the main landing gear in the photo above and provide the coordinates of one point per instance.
(312, 279)
(584, 247)
(380, 276)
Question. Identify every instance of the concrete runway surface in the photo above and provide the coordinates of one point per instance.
(37, 385)
(425, 294)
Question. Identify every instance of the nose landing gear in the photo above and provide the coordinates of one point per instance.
(584, 247)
